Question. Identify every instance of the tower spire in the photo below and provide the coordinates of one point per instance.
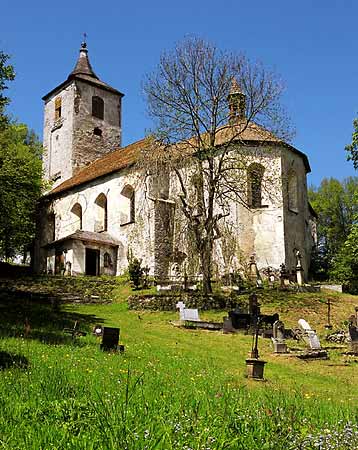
(83, 66)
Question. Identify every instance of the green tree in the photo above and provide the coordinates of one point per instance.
(20, 187)
(345, 264)
(352, 148)
(336, 206)
(7, 73)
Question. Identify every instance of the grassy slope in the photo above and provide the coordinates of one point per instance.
(175, 388)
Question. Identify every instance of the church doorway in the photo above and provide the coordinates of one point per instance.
(92, 262)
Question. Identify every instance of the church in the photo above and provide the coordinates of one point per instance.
(100, 210)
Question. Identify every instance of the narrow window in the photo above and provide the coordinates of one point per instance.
(292, 189)
(77, 216)
(255, 174)
(58, 107)
(101, 221)
(107, 260)
(127, 205)
(97, 107)
(52, 227)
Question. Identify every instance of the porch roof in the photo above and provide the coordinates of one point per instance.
(89, 236)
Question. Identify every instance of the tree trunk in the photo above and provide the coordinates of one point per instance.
(206, 265)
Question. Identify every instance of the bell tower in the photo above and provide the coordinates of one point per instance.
(82, 121)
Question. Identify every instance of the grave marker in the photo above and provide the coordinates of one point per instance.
(309, 335)
(110, 338)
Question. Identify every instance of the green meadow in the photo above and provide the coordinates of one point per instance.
(172, 388)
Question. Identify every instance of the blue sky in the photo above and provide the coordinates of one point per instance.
(312, 44)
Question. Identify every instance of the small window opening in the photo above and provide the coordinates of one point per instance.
(292, 192)
(128, 205)
(101, 222)
(58, 108)
(97, 132)
(97, 107)
(77, 216)
(107, 260)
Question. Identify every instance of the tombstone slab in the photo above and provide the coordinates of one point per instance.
(110, 338)
(187, 314)
(309, 335)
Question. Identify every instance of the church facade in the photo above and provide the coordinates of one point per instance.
(100, 209)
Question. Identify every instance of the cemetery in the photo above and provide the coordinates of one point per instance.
(108, 371)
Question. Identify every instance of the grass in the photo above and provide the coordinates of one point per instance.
(173, 388)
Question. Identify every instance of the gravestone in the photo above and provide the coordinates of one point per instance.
(278, 337)
(299, 269)
(309, 335)
(187, 314)
(110, 338)
(353, 333)
(284, 278)
(253, 272)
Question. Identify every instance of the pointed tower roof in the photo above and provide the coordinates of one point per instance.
(83, 66)
(235, 87)
(83, 72)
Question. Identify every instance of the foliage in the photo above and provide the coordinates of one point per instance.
(335, 204)
(345, 264)
(20, 187)
(135, 271)
(352, 148)
(7, 73)
(203, 101)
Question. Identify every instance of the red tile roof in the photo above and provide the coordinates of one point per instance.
(127, 156)
(112, 162)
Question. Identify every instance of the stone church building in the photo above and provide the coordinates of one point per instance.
(99, 209)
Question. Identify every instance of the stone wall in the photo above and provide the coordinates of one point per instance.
(58, 136)
(88, 146)
(167, 302)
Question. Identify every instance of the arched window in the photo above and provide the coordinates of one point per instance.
(127, 205)
(292, 190)
(101, 219)
(77, 216)
(107, 260)
(97, 107)
(255, 173)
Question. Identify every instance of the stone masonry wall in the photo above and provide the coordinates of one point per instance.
(58, 136)
(87, 146)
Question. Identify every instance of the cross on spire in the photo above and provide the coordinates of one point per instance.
(84, 43)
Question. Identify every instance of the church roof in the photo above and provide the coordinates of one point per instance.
(128, 156)
(83, 71)
(112, 162)
(90, 236)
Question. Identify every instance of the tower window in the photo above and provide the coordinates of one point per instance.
(97, 132)
(58, 107)
(97, 107)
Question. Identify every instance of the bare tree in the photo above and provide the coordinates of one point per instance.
(205, 104)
